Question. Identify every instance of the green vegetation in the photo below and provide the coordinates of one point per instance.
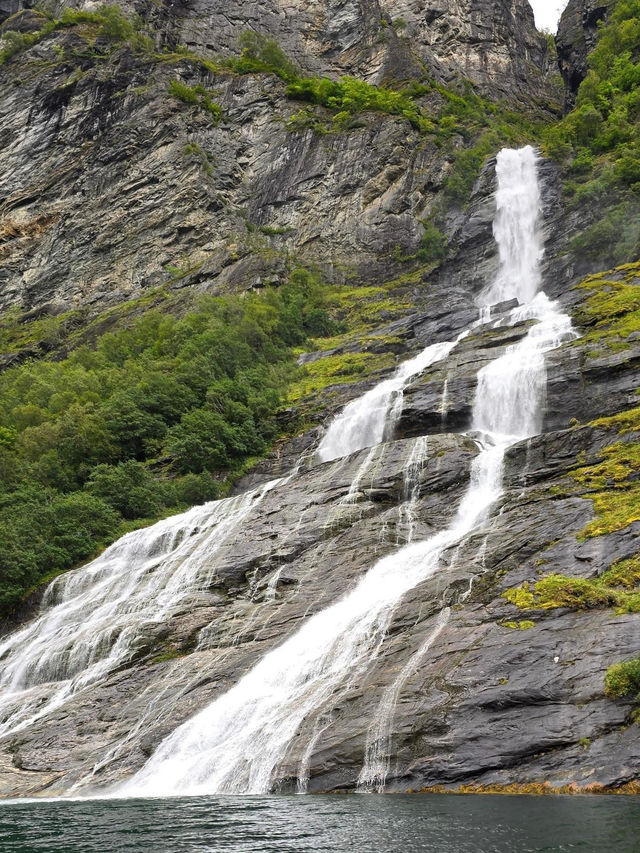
(612, 485)
(355, 312)
(337, 370)
(348, 97)
(433, 245)
(466, 115)
(485, 127)
(618, 587)
(600, 139)
(206, 159)
(146, 422)
(522, 625)
(107, 22)
(196, 96)
(260, 54)
(623, 679)
(611, 311)
(14, 42)
(609, 318)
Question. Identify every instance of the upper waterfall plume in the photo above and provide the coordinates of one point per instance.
(516, 228)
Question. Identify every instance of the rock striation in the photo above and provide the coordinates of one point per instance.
(111, 187)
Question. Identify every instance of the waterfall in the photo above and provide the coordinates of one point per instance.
(377, 754)
(411, 488)
(367, 420)
(516, 227)
(93, 619)
(237, 742)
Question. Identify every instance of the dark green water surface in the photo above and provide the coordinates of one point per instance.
(363, 824)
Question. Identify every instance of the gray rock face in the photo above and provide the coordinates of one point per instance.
(112, 187)
(10, 7)
(301, 551)
(495, 45)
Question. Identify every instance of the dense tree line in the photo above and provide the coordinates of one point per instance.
(148, 421)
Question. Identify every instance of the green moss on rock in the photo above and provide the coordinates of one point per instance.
(618, 587)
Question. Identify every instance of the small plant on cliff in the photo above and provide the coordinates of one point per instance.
(618, 587)
(623, 679)
(351, 96)
(261, 54)
(197, 96)
(107, 22)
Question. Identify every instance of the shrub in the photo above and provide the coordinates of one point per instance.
(128, 488)
(109, 21)
(350, 96)
(623, 679)
(13, 42)
(260, 53)
(197, 96)
(433, 245)
(193, 489)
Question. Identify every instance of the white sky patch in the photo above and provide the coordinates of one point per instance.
(547, 13)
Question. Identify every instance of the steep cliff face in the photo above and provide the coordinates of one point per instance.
(494, 45)
(114, 187)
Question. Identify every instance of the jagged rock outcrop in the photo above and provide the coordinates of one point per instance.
(494, 45)
(113, 187)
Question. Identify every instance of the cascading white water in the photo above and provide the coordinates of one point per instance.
(236, 743)
(95, 616)
(365, 421)
(516, 227)
(411, 488)
(509, 398)
(377, 752)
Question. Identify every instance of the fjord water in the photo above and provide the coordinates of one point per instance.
(327, 824)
